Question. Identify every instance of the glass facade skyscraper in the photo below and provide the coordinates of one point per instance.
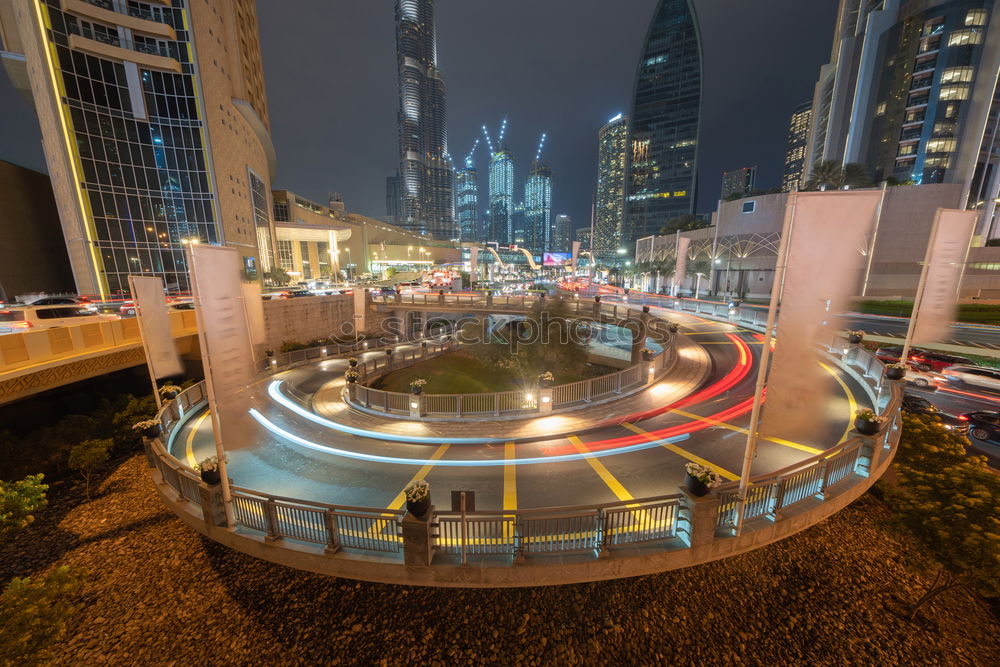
(538, 209)
(467, 203)
(663, 138)
(609, 203)
(127, 95)
(502, 197)
(427, 201)
(795, 152)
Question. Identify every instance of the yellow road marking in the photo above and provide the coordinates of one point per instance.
(682, 452)
(851, 402)
(737, 429)
(602, 472)
(509, 477)
(400, 499)
(189, 448)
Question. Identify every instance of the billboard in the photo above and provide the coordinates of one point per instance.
(557, 259)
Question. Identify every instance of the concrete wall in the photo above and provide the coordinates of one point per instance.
(306, 319)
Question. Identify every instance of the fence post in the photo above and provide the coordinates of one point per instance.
(545, 400)
(416, 405)
(701, 513)
(213, 509)
(272, 521)
(417, 547)
(332, 536)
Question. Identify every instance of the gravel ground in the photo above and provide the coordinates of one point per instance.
(158, 593)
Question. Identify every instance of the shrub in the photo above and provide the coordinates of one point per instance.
(18, 503)
(33, 615)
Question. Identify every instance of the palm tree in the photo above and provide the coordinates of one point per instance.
(827, 173)
(856, 175)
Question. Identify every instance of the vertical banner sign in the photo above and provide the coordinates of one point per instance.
(680, 266)
(473, 265)
(154, 325)
(360, 315)
(254, 305)
(576, 254)
(819, 279)
(947, 251)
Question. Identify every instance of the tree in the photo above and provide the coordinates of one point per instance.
(856, 175)
(827, 173)
(18, 503)
(88, 457)
(951, 503)
(33, 615)
(277, 276)
(685, 223)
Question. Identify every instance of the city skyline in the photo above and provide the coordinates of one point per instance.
(334, 146)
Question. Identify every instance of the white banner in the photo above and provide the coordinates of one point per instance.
(822, 265)
(254, 305)
(947, 251)
(576, 255)
(360, 315)
(473, 265)
(222, 321)
(154, 325)
(680, 266)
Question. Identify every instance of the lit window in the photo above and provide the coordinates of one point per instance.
(880, 109)
(957, 75)
(956, 92)
(940, 145)
(941, 162)
(976, 17)
(965, 37)
(680, 193)
(907, 149)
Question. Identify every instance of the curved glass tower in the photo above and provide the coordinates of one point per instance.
(666, 109)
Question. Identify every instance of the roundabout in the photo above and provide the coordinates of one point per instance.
(306, 459)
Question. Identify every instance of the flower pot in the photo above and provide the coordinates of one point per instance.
(648, 356)
(353, 363)
(645, 309)
(865, 427)
(416, 390)
(388, 352)
(418, 508)
(695, 486)
(152, 431)
(211, 476)
(351, 379)
(854, 339)
(269, 353)
(169, 395)
(597, 299)
(894, 373)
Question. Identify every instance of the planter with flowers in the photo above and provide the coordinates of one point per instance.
(895, 371)
(418, 498)
(673, 327)
(351, 375)
(168, 392)
(417, 385)
(855, 337)
(867, 422)
(700, 479)
(648, 354)
(546, 379)
(209, 470)
(149, 428)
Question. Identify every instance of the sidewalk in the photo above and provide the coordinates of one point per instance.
(689, 372)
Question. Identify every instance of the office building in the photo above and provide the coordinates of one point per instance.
(502, 197)
(538, 208)
(663, 140)
(467, 202)
(921, 104)
(562, 234)
(519, 229)
(583, 235)
(427, 202)
(739, 182)
(393, 199)
(609, 205)
(155, 129)
(795, 152)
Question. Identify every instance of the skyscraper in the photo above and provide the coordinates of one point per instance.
(393, 198)
(795, 153)
(609, 214)
(663, 142)
(739, 181)
(467, 202)
(922, 103)
(562, 234)
(538, 208)
(128, 96)
(502, 197)
(427, 201)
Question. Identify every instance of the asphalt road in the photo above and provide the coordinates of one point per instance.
(957, 404)
(967, 335)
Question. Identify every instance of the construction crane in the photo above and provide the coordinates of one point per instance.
(503, 131)
(468, 158)
(489, 142)
(541, 143)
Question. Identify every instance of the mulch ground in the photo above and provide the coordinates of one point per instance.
(158, 593)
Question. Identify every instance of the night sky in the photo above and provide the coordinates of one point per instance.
(558, 66)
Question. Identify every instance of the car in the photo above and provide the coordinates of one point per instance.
(917, 405)
(181, 305)
(938, 361)
(978, 376)
(23, 318)
(64, 301)
(984, 425)
(294, 292)
(922, 379)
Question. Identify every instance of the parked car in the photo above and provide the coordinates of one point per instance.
(13, 320)
(59, 301)
(987, 378)
(891, 355)
(924, 360)
(921, 406)
(922, 379)
(984, 425)
(295, 292)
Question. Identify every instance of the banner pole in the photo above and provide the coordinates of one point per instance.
(213, 405)
(918, 297)
(765, 354)
(145, 349)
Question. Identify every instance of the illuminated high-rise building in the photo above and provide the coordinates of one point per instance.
(795, 152)
(609, 204)
(155, 129)
(538, 209)
(562, 234)
(427, 201)
(467, 202)
(662, 170)
(740, 182)
(502, 197)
